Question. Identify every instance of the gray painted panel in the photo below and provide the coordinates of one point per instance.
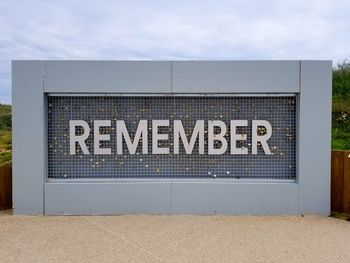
(166, 198)
(234, 198)
(310, 195)
(28, 137)
(236, 76)
(107, 76)
(107, 198)
(315, 136)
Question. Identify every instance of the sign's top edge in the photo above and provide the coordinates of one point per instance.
(175, 61)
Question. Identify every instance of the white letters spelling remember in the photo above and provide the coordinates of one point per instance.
(258, 137)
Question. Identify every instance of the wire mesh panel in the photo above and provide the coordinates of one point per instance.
(279, 111)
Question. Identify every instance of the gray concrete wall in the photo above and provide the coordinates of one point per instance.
(33, 194)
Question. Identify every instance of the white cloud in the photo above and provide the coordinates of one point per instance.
(180, 29)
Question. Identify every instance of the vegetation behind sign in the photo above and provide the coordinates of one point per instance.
(341, 106)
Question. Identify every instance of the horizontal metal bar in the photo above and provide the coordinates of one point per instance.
(170, 180)
(171, 94)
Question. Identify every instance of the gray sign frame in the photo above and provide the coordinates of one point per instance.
(34, 80)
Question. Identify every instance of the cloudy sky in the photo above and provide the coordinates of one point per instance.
(178, 30)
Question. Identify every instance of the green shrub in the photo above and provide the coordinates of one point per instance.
(341, 106)
(5, 121)
(341, 81)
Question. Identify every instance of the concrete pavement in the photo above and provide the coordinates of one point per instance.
(159, 238)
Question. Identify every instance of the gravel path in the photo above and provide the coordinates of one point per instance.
(144, 238)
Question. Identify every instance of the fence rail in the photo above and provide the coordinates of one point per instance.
(340, 182)
(5, 187)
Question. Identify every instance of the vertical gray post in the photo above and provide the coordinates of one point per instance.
(28, 137)
(315, 137)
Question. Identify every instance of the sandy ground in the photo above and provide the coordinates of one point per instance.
(144, 238)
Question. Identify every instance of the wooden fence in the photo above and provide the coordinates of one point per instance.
(340, 182)
(5, 187)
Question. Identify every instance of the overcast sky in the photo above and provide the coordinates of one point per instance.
(177, 29)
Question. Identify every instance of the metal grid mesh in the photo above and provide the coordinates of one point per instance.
(279, 111)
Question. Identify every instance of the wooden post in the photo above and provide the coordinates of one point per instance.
(337, 181)
(340, 182)
(5, 187)
(346, 195)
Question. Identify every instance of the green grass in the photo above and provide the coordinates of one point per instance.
(340, 139)
(5, 134)
(340, 216)
(5, 146)
(5, 140)
(5, 158)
